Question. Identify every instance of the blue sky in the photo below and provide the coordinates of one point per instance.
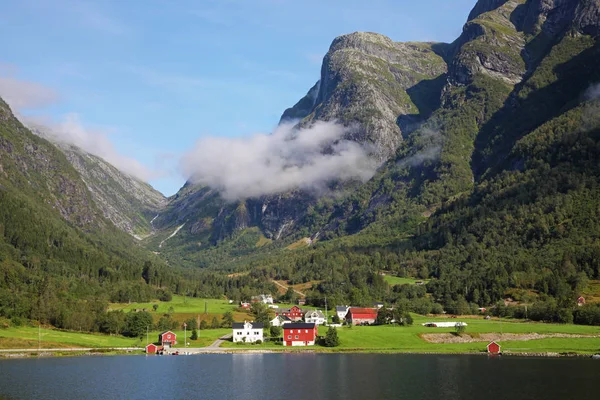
(144, 80)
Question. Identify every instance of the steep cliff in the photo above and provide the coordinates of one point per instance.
(126, 201)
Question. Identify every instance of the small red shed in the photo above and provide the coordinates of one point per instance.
(493, 348)
(167, 338)
(151, 348)
(580, 301)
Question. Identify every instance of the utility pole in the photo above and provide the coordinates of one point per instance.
(147, 336)
(39, 336)
(185, 334)
(326, 318)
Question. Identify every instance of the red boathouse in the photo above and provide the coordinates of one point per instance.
(299, 334)
(151, 348)
(493, 348)
(167, 338)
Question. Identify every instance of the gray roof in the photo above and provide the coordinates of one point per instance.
(318, 312)
(341, 308)
(255, 325)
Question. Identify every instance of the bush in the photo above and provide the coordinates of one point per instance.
(331, 339)
(258, 342)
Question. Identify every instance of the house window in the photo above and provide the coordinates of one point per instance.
(289, 336)
(306, 331)
(296, 337)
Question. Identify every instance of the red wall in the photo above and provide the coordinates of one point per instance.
(303, 336)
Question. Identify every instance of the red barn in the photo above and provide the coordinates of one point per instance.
(361, 316)
(167, 338)
(295, 313)
(151, 348)
(493, 348)
(299, 334)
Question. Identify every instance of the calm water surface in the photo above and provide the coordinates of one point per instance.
(300, 376)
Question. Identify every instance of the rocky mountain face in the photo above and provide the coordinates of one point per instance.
(32, 165)
(383, 86)
(443, 119)
(126, 201)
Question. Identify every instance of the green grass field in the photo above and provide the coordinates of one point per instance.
(181, 304)
(27, 337)
(397, 280)
(406, 339)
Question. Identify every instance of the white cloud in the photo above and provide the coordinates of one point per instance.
(429, 143)
(287, 159)
(95, 141)
(593, 92)
(21, 94)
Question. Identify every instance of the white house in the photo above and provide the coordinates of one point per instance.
(315, 317)
(263, 298)
(341, 311)
(248, 332)
(280, 320)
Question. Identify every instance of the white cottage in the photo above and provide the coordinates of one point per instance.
(315, 317)
(280, 320)
(341, 311)
(248, 332)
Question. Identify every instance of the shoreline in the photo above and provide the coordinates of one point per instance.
(17, 354)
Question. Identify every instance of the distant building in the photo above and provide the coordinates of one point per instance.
(444, 324)
(295, 313)
(301, 301)
(299, 334)
(248, 332)
(341, 311)
(493, 348)
(378, 304)
(361, 316)
(580, 301)
(314, 316)
(280, 320)
(262, 298)
(167, 338)
(245, 305)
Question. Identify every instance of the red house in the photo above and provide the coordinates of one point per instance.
(167, 338)
(361, 316)
(493, 348)
(295, 313)
(299, 334)
(151, 348)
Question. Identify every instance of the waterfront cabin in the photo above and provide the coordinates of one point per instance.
(167, 338)
(247, 332)
(493, 348)
(299, 334)
(315, 316)
(361, 316)
(151, 348)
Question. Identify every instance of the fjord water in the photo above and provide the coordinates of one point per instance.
(299, 376)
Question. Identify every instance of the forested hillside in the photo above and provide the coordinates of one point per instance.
(61, 262)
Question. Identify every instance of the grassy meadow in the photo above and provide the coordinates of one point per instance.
(406, 339)
(397, 280)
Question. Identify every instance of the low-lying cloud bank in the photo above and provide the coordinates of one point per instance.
(289, 158)
(71, 130)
